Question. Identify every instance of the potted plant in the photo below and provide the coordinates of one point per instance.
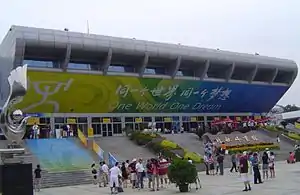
(182, 173)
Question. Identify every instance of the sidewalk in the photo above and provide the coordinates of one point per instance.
(286, 182)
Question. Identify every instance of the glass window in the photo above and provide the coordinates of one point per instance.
(200, 118)
(186, 118)
(79, 66)
(129, 119)
(149, 71)
(116, 119)
(39, 63)
(179, 73)
(82, 120)
(157, 119)
(59, 120)
(210, 118)
(147, 119)
(96, 120)
(45, 120)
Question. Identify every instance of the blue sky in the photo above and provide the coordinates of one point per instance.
(268, 27)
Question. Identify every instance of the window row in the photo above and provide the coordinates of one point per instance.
(214, 71)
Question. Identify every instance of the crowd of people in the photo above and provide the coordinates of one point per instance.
(244, 163)
(133, 174)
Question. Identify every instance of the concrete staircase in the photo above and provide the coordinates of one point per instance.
(122, 148)
(61, 179)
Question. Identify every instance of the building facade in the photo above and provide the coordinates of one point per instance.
(109, 83)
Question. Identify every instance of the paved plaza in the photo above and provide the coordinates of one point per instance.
(286, 182)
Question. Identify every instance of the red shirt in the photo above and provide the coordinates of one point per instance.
(163, 167)
(154, 169)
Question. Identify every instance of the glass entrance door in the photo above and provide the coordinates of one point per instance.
(107, 130)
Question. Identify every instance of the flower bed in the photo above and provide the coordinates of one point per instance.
(159, 144)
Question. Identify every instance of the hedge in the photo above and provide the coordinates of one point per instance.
(290, 134)
(254, 148)
(159, 144)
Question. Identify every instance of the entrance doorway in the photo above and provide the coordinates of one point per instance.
(107, 130)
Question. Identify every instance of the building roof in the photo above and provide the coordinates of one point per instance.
(92, 42)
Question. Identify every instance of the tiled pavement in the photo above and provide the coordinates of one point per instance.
(286, 182)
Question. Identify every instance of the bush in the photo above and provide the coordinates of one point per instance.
(169, 144)
(194, 157)
(293, 135)
(182, 173)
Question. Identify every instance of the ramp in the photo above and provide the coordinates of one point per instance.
(56, 155)
(122, 148)
(191, 142)
(285, 147)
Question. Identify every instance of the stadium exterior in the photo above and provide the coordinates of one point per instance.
(107, 83)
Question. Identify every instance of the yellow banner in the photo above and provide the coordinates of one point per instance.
(297, 125)
(106, 120)
(138, 120)
(33, 120)
(98, 150)
(90, 132)
(193, 119)
(82, 138)
(71, 121)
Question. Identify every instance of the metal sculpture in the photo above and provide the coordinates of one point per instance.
(12, 121)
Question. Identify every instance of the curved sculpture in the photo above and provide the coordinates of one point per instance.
(12, 122)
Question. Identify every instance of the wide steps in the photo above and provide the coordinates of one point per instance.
(61, 179)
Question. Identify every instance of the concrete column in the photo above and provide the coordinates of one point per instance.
(252, 75)
(144, 64)
(19, 53)
(107, 61)
(65, 62)
(230, 72)
(173, 70)
(201, 73)
(205, 121)
(275, 72)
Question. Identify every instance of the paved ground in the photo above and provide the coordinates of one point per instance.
(286, 182)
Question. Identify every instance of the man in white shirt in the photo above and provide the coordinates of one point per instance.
(105, 170)
(36, 131)
(115, 172)
(140, 173)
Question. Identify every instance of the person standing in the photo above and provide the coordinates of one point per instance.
(140, 173)
(155, 174)
(243, 165)
(255, 166)
(37, 178)
(163, 171)
(265, 165)
(114, 174)
(272, 165)
(206, 163)
(133, 175)
(233, 162)
(105, 172)
(94, 173)
(220, 160)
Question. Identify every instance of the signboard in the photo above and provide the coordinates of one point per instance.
(88, 93)
(138, 120)
(90, 132)
(167, 120)
(106, 120)
(193, 119)
(237, 138)
(71, 121)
